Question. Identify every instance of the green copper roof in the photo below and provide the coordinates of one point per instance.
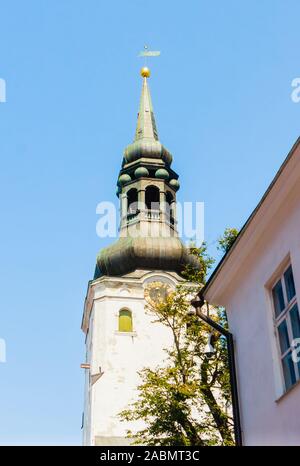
(153, 253)
(145, 157)
(146, 143)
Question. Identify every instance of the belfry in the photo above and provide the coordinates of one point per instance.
(141, 267)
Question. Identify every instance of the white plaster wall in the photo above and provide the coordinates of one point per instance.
(87, 392)
(266, 419)
(120, 356)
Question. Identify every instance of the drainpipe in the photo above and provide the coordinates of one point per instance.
(197, 304)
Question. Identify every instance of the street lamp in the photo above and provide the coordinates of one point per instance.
(197, 304)
(209, 349)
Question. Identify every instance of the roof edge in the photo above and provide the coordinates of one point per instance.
(248, 221)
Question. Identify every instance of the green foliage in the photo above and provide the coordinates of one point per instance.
(196, 275)
(227, 240)
(186, 400)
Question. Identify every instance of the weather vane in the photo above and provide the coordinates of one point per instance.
(148, 53)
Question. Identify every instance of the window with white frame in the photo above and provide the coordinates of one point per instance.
(287, 322)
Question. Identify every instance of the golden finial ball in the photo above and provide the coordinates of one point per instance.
(145, 72)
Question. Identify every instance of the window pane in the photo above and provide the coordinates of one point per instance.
(283, 337)
(125, 321)
(295, 321)
(288, 371)
(278, 298)
(289, 283)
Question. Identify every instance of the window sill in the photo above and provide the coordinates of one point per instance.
(127, 334)
(287, 392)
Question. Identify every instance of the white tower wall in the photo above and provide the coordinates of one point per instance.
(119, 355)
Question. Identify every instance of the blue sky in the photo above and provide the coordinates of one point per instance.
(222, 96)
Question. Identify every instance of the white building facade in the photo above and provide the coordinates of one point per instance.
(258, 282)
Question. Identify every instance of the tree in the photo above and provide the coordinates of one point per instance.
(227, 240)
(185, 401)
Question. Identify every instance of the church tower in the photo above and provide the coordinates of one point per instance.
(142, 266)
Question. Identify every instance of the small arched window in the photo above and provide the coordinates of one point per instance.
(170, 206)
(169, 197)
(152, 198)
(125, 321)
(132, 197)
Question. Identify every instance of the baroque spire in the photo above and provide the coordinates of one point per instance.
(146, 143)
(146, 126)
(146, 187)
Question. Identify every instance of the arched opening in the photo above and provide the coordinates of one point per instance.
(152, 198)
(125, 320)
(132, 201)
(170, 207)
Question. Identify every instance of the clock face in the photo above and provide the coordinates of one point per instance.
(157, 292)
